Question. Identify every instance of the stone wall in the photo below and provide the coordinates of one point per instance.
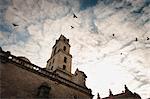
(19, 81)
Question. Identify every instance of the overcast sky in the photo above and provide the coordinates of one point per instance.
(110, 40)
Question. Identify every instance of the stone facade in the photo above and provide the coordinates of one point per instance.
(61, 59)
(22, 79)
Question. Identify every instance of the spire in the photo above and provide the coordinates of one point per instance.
(110, 93)
(0, 49)
(62, 37)
(77, 69)
(98, 96)
(126, 88)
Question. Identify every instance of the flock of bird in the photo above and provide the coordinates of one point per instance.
(136, 39)
(74, 16)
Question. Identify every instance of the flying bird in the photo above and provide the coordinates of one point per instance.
(15, 24)
(113, 34)
(74, 16)
(72, 27)
(147, 38)
(136, 39)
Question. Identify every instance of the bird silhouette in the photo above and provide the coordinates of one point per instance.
(136, 39)
(113, 34)
(15, 24)
(74, 16)
(147, 38)
(72, 27)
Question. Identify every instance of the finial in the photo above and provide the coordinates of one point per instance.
(61, 35)
(77, 69)
(110, 93)
(98, 96)
(76, 72)
(126, 88)
(0, 49)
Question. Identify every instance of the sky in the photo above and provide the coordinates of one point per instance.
(110, 40)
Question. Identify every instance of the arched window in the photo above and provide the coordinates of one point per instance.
(43, 91)
(65, 59)
(64, 67)
(52, 68)
(64, 48)
(53, 60)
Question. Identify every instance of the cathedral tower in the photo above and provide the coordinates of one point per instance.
(61, 59)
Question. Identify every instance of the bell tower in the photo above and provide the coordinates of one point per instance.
(61, 59)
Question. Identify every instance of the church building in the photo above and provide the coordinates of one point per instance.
(21, 79)
(127, 94)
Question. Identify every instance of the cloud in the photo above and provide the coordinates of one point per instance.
(94, 48)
